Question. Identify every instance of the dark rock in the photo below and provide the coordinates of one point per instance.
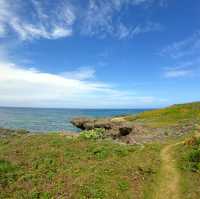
(125, 130)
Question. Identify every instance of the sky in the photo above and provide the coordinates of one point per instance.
(99, 53)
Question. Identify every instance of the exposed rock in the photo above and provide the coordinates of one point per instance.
(83, 123)
(116, 129)
(89, 123)
(125, 130)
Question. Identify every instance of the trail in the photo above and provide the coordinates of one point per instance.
(168, 187)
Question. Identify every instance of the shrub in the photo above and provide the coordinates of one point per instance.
(194, 156)
(93, 134)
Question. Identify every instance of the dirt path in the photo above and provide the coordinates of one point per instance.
(169, 176)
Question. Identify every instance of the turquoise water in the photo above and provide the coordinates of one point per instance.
(43, 120)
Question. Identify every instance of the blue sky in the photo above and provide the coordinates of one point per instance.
(99, 53)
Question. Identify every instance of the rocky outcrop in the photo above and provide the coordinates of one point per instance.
(89, 123)
(114, 128)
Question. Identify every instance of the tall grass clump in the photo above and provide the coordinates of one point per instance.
(193, 155)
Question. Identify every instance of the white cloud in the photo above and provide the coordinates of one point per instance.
(187, 47)
(97, 18)
(39, 23)
(184, 69)
(28, 87)
(102, 18)
(187, 55)
(124, 31)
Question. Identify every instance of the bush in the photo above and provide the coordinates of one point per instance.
(93, 134)
(194, 156)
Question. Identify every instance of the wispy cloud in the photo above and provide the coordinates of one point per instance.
(39, 23)
(186, 54)
(21, 86)
(98, 18)
(178, 72)
(187, 47)
(183, 69)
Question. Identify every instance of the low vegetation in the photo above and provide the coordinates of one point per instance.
(93, 134)
(173, 115)
(93, 166)
(56, 166)
(188, 160)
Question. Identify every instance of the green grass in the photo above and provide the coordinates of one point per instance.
(93, 134)
(170, 116)
(58, 166)
(188, 161)
(55, 166)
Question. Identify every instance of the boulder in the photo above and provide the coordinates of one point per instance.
(83, 123)
(88, 123)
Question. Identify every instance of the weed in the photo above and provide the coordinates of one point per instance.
(93, 134)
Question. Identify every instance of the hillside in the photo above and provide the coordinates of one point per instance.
(170, 116)
(157, 125)
(93, 166)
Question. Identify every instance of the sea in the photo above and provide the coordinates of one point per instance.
(52, 119)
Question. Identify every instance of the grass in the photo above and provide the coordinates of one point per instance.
(55, 166)
(89, 167)
(188, 162)
(173, 115)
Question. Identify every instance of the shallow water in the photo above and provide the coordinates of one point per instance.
(44, 119)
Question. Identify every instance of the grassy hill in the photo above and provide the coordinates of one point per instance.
(60, 166)
(170, 116)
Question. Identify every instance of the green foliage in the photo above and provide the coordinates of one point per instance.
(123, 185)
(100, 152)
(8, 172)
(169, 116)
(187, 156)
(189, 159)
(194, 155)
(121, 151)
(93, 134)
(93, 191)
(53, 166)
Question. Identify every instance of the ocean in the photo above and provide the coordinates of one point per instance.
(51, 119)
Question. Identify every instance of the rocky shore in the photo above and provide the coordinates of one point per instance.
(136, 131)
